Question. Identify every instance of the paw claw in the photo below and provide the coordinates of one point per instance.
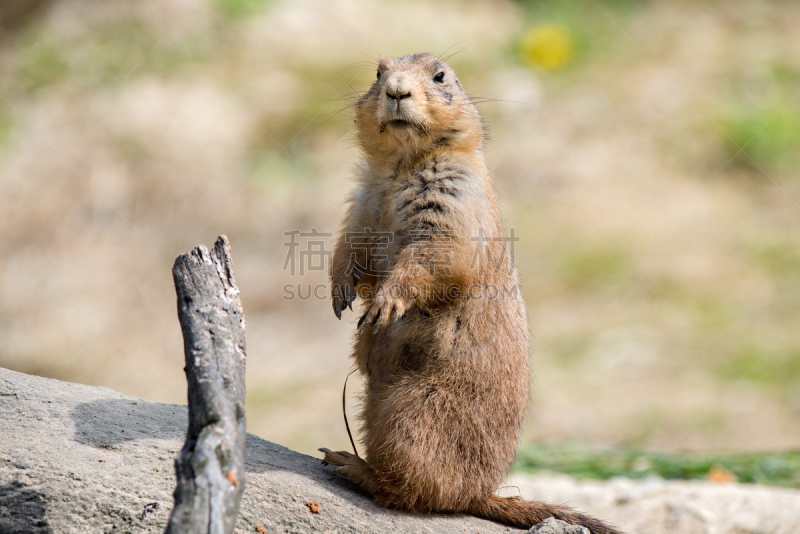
(362, 324)
(376, 322)
(343, 294)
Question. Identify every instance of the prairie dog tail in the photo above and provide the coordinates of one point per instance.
(524, 514)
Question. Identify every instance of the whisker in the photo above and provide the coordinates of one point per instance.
(485, 99)
(462, 49)
(375, 61)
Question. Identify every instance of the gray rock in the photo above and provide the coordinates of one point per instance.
(552, 525)
(80, 459)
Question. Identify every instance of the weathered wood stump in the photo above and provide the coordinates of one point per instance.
(210, 468)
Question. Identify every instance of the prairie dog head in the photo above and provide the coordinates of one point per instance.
(415, 105)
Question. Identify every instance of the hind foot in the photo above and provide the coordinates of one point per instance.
(352, 467)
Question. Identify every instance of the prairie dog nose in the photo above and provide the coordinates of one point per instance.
(399, 87)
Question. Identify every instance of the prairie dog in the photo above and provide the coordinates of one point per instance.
(443, 341)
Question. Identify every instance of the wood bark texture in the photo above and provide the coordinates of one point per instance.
(210, 468)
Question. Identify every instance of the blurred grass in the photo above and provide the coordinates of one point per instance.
(764, 135)
(761, 121)
(106, 57)
(779, 258)
(592, 267)
(42, 61)
(778, 370)
(775, 469)
(239, 9)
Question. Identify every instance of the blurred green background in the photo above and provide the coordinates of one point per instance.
(647, 154)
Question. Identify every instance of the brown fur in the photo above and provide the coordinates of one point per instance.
(446, 373)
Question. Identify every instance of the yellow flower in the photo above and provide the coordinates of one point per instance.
(547, 46)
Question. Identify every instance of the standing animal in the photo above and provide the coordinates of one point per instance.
(443, 341)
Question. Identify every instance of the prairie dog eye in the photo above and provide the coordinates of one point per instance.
(439, 78)
(379, 75)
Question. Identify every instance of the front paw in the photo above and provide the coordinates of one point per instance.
(388, 307)
(343, 293)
